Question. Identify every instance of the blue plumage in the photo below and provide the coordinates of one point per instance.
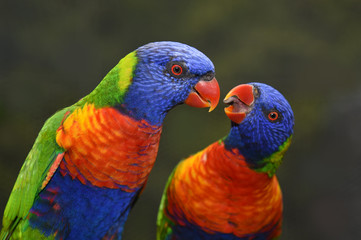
(81, 207)
(163, 90)
(257, 137)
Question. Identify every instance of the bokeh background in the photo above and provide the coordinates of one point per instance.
(54, 52)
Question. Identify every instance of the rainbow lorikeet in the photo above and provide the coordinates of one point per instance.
(229, 189)
(91, 160)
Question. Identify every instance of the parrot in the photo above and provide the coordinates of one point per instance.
(229, 190)
(90, 161)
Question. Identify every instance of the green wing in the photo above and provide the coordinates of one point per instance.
(164, 224)
(33, 174)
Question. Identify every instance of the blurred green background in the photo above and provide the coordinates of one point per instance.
(54, 52)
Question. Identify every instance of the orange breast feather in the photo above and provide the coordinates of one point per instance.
(218, 192)
(107, 148)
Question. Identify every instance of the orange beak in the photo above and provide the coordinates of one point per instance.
(240, 99)
(204, 94)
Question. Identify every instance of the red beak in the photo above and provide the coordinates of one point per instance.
(240, 99)
(204, 94)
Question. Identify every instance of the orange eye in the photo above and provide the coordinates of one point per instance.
(273, 116)
(177, 69)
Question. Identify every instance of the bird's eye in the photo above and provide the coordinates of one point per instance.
(273, 116)
(177, 69)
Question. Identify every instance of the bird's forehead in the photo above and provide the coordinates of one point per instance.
(270, 98)
(163, 52)
(269, 95)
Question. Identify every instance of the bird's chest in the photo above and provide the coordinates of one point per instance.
(107, 149)
(225, 196)
(106, 161)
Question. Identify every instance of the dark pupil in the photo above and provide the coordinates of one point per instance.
(176, 69)
(273, 115)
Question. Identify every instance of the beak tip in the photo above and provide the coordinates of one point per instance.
(212, 107)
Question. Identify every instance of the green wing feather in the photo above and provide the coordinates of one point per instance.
(32, 174)
(164, 224)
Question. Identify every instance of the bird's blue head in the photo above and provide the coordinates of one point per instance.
(168, 74)
(262, 125)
